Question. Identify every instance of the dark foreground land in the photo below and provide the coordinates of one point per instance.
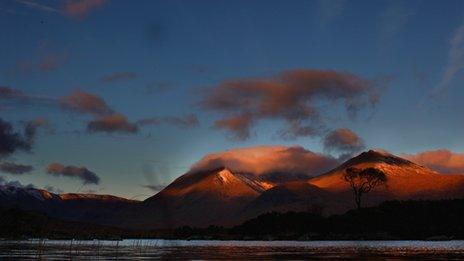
(394, 220)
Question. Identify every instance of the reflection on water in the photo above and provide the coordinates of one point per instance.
(257, 250)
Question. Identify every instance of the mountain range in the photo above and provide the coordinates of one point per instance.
(222, 197)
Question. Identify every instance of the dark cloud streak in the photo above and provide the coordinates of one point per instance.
(343, 141)
(82, 173)
(12, 141)
(13, 168)
(17, 97)
(119, 76)
(7, 93)
(53, 189)
(112, 123)
(187, 121)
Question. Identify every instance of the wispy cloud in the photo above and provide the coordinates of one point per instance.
(15, 168)
(45, 63)
(38, 6)
(329, 10)
(51, 61)
(53, 189)
(119, 76)
(7, 93)
(78, 9)
(155, 188)
(455, 62)
(14, 183)
(187, 121)
(392, 21)
(157, 87)
(17, 97)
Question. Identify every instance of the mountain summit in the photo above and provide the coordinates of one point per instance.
(376, 156)
(204, 198)
(219, 183)
(405, 179)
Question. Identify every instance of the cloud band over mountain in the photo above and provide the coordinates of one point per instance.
(266, 160)
(442, 160)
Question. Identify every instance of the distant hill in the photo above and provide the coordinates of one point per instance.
(70, 206)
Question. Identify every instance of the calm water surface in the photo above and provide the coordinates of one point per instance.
(250, 250)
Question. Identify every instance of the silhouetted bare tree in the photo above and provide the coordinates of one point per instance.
(363, 181)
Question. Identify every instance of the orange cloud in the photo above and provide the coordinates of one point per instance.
(51, 62)
(441, 160)
(80, 8)
(44, 63)
(84, 102)
(238, 125)
(292, 96)
(268, 160)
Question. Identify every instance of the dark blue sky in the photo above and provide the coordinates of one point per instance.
(154, 59)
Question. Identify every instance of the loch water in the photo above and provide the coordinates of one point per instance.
(149, 249)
